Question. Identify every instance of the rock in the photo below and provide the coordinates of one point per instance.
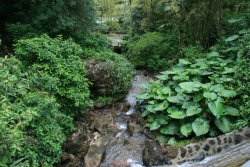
(153, 154)
(120, 163)
(104, 123)
(99, 75)
(76, 142)
(121, 107)
(65, 158)
(95, 152)
(134, 128)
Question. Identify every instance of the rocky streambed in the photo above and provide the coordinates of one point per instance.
(114, 137)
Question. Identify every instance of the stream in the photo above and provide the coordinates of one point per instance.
(126, 147)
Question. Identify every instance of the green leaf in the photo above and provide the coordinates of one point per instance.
(175, 99)
(210, 95)
(224, 124)
(155, 126)
(171, 129)
(200, 126)
(162, 106)
(231, 111)
(162, 77)
(190, 86)
(143, 96)
(227, 93)
(183, 61)
(145, 113)
(166, 90)
(172, 141)
(217, 107)
(213, 54)
(177, 114)
(193, 110)
(186, 129)
(232, 38)
(161, 119)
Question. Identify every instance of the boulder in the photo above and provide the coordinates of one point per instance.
(99, 75)
(95, 152)
(153, 154)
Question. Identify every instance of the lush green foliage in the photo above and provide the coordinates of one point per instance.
(56, 67)
(95, 41)
(238, 46)
(192, 97)
(69, 18)
(32, 127)
(154, 51)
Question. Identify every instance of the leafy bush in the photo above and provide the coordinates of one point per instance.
(153, 50)
(120, 71)
(95, 41)
(17, 31)
(55, 66)
(238, 46)
(32, 127)
(192, 98)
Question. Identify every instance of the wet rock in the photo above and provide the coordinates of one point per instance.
(104, 123)
(99, 75)
(152, 154)
(95, 152)
(122, 107)
(76, 142)
(66, 157)
(120, 163)
(134, 128)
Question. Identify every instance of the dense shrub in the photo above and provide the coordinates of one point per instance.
(238, 47)
(17, 31)
(56, 67)
(96, 41)
(193, 97)
(32, 127)
(120, 71)
(154, 51)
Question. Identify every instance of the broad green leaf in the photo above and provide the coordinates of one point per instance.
(213, 54)
(162, 77)
(162, 139)
(161, 119)
(198, 97)
(175, 99)
(190, 86)
(227, 93)
(186, 129)
(143, 96)
(228, 70)
(171, 129)
(193, 110)
(216, 107)
(177, 114)
(172, 141)
(155, 126)
(200, 126)
(224, 124)
(162, 106)
(145, 113)
(160, 97)
(183, 61)
(166, 90)
(231, 111)
(232, 38)
(210, 95)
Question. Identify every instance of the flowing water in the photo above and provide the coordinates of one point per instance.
(125, 149)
